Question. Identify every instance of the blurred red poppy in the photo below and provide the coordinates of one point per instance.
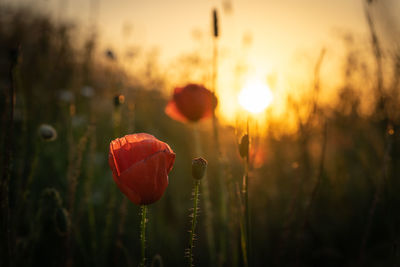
(140, 164)
(191, 103)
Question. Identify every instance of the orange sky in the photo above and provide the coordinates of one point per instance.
(278, 27)
(286, 36)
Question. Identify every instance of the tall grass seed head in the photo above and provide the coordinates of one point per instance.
(215, 23)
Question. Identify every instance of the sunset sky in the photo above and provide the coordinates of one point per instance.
(274, 38)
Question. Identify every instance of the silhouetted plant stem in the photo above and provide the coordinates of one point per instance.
(124, 204)
(315, 189)
(222, 219)
(31, 176)
(74, 171)
(242, 223)
(88, 193)
(376, 198)
(245, 192)
(143, 211)
(194, 220)
(378, 58)
(116, 119)
(244, 148)
(6, 235)
(206, 199)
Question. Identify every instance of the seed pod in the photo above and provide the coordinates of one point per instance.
(110, 55)
(61, 221)
(199, 166)
(47, 132)
(119, 100)
(244, 146)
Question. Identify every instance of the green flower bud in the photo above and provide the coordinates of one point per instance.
(47, 132)
(199, 166)
(61, 221)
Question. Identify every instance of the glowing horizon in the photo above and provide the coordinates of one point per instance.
(255, 96)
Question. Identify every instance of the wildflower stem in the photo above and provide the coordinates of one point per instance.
(222, 201)
(194, 219)
(5, 209)
(243, 238)
(143, 235)
(207, 201)
(245, 193)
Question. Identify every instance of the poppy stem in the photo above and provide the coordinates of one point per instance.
(143, 234)
(194, 220)
(207, 201)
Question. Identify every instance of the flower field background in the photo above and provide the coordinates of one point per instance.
(324, 194)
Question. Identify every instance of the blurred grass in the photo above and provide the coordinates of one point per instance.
(291, 225)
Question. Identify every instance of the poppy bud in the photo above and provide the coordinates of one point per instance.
(244, 146)
(119, 100)
(47, 132)
(61, 221)
(199, 166)
(53, 218)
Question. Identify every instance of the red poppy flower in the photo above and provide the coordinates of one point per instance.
(140, 164)
(191, 103)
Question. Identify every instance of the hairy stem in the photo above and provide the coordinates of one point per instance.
(143, 235)
(194, 220)
(207, 201)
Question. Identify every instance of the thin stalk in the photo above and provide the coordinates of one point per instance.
(6, 211)
(245, 192)
(378, 58)
(124, 205)
(246, 212)
(315, 189)
(222, 187)
(194, 220)
(207, 201)
(116, 117)
(88, 193)
(377, 197)
(143, 209)
(242, 222)
(34, 164)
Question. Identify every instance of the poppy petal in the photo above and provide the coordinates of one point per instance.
(148, 177)
(172, 110)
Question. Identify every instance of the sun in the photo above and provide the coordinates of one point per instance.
(255, 96)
